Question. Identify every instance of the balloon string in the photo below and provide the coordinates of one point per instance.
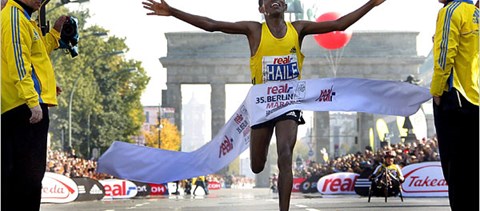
(331, 62)
(334, 60)
(339, 56)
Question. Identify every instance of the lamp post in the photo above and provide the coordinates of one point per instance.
(71, 99)
(410, 137)
(70, 113)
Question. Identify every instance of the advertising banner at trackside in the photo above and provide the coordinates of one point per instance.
(119, 189)
(297, 182)
(362, 186)
(57, 188)
(337, 183)
(424, 180)
(214, 185)
(158, 189)
(143, 189)
(89, 189)
(310, 184)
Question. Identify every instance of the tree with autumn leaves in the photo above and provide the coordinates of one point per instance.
(169, 136)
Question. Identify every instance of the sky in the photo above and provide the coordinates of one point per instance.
(145, 34)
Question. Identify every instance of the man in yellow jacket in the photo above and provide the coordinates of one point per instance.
(455, 93)
(28, 89)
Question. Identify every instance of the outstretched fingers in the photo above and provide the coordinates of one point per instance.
(148, 4)
(156, 8)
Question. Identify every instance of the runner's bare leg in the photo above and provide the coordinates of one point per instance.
(286, 133)
(259, 143)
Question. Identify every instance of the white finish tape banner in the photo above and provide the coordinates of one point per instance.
(263, 102)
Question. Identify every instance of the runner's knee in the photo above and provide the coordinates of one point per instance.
(257, 167)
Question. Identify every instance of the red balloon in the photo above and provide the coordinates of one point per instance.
(332, 40)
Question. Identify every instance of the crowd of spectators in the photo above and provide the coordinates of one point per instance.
(364, 162)
(69, 165)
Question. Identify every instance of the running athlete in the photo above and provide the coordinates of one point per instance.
(273, 43)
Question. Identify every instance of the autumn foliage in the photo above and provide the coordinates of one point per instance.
(169, 136)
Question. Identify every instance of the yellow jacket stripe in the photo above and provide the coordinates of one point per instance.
(16, 41)
(456, 51)
(446, 26)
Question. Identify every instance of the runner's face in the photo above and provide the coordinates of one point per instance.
(274, 6)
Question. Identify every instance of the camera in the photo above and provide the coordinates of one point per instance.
(69, 36)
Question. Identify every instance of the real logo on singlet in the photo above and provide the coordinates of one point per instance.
(280, 68)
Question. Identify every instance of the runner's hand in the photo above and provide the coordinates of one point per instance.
(156, 8)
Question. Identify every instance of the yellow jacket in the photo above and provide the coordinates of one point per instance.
(27, 72)
(456, 48)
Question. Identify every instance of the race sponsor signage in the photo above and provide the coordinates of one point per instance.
(226, 146)
(158, 189)
(362, 186)
(119, 189)
(310, 184)
(57, 188)
(297, 182)
(337, 183)
(424, 180)
(214, 185)
(89, 189)
(266, 101)
(143, 189)
(280, 68)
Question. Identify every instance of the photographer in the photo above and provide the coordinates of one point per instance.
(28, 89)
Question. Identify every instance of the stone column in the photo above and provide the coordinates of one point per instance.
(172, 97)
(217, 102)
(321, 134)
(364, 123)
